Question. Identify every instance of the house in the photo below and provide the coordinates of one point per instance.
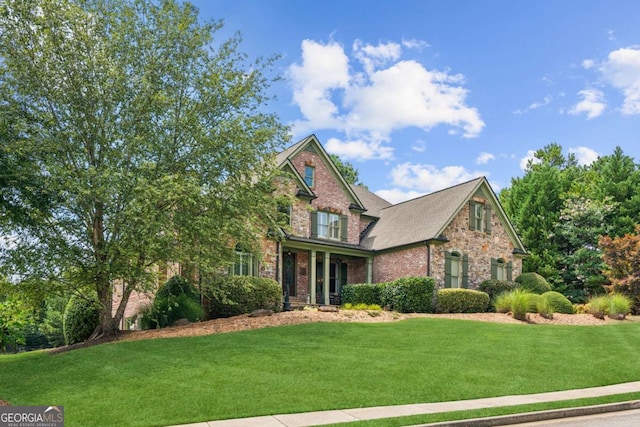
(341, 234)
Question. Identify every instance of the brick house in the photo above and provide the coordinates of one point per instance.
(341, 234)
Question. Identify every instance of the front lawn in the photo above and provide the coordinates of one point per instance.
(315, 367)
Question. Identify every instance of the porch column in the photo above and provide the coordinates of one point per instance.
(369, 270)
(312, 276)
(325, 282)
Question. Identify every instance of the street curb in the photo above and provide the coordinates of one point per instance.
(538, 416)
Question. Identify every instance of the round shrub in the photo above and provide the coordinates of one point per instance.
(177, 285)
(558, 302)
(234, 295)
(533, 282)
(81, 317)
(461, 301)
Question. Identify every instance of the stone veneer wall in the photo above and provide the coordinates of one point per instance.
(402, 263)
(480, 247)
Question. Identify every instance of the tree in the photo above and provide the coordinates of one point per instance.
(346, 169)
(622, 257)
(534, 202)
(146, 139)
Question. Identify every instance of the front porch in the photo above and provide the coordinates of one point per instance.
(315, 275)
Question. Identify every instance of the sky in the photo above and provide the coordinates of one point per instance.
(422, 95)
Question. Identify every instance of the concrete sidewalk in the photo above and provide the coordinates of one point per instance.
(360, 414)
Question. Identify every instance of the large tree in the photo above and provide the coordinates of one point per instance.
(145, 138)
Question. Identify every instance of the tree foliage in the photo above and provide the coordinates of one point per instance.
(622, 258)
(347, 170)
(141, 137)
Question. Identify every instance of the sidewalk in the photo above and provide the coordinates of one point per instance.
(360, 414)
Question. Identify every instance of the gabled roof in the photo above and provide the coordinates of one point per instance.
(426, 218)
(371, 201)
(283, 159)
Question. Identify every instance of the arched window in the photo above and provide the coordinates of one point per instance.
(456, 270)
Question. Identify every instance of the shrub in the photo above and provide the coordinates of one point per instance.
(599, 306)
(544, 308)
(619, 306)
(177, 285)
(411, 294)
(360, 294)
(558, 302)
(533, 282)
(234, 295)
(496, 287)
(461, 301)
(349, 306)
(519, 302)
(81, 317)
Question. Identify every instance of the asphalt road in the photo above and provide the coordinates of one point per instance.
(612, 419)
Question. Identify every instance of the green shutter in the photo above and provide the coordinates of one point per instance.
(344, 228)
(472, 215)
(487, 221)
(510, 271)
(344, 267)
(494, 268)
(314, 224)
(447, 270)
(465, 271)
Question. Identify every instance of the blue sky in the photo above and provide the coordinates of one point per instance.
(421, 95)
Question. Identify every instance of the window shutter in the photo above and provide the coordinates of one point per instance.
(510, 271)
(494, 268)
(447, 270)
(314, 224)
(487, 222)
(472, 215)
(344, 228)
(465, 271)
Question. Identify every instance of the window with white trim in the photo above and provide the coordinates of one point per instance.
(244, 264)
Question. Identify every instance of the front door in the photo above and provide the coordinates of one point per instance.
(289, 274)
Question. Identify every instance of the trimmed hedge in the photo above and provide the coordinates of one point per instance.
(175, 299)
(361, 293)
(495, 287)
(234, 295)
(81, 317)
(533, 282)
(461, 301)
(177, 285)
(558, 302)
(411, 294)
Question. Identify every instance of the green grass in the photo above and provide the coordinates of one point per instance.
(316, 367)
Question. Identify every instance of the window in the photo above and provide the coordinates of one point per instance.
(501, 269)
(329, 225)
(456, 270)
(480, 216)
(284, 214)
(309, 175)
(244, 264)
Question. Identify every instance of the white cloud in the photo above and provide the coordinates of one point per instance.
(588, 63)
(535, 105)
(584, 155)
(622, 71)
(592, 103)
(485, 158)
(428, 178)
(530, 157)
(611, 35)
(378, 93)
(396, 195)
(358, 149)
(419, 146)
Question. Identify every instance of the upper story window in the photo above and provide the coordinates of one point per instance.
(480, 216)
(328, 225)
(310, 175)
